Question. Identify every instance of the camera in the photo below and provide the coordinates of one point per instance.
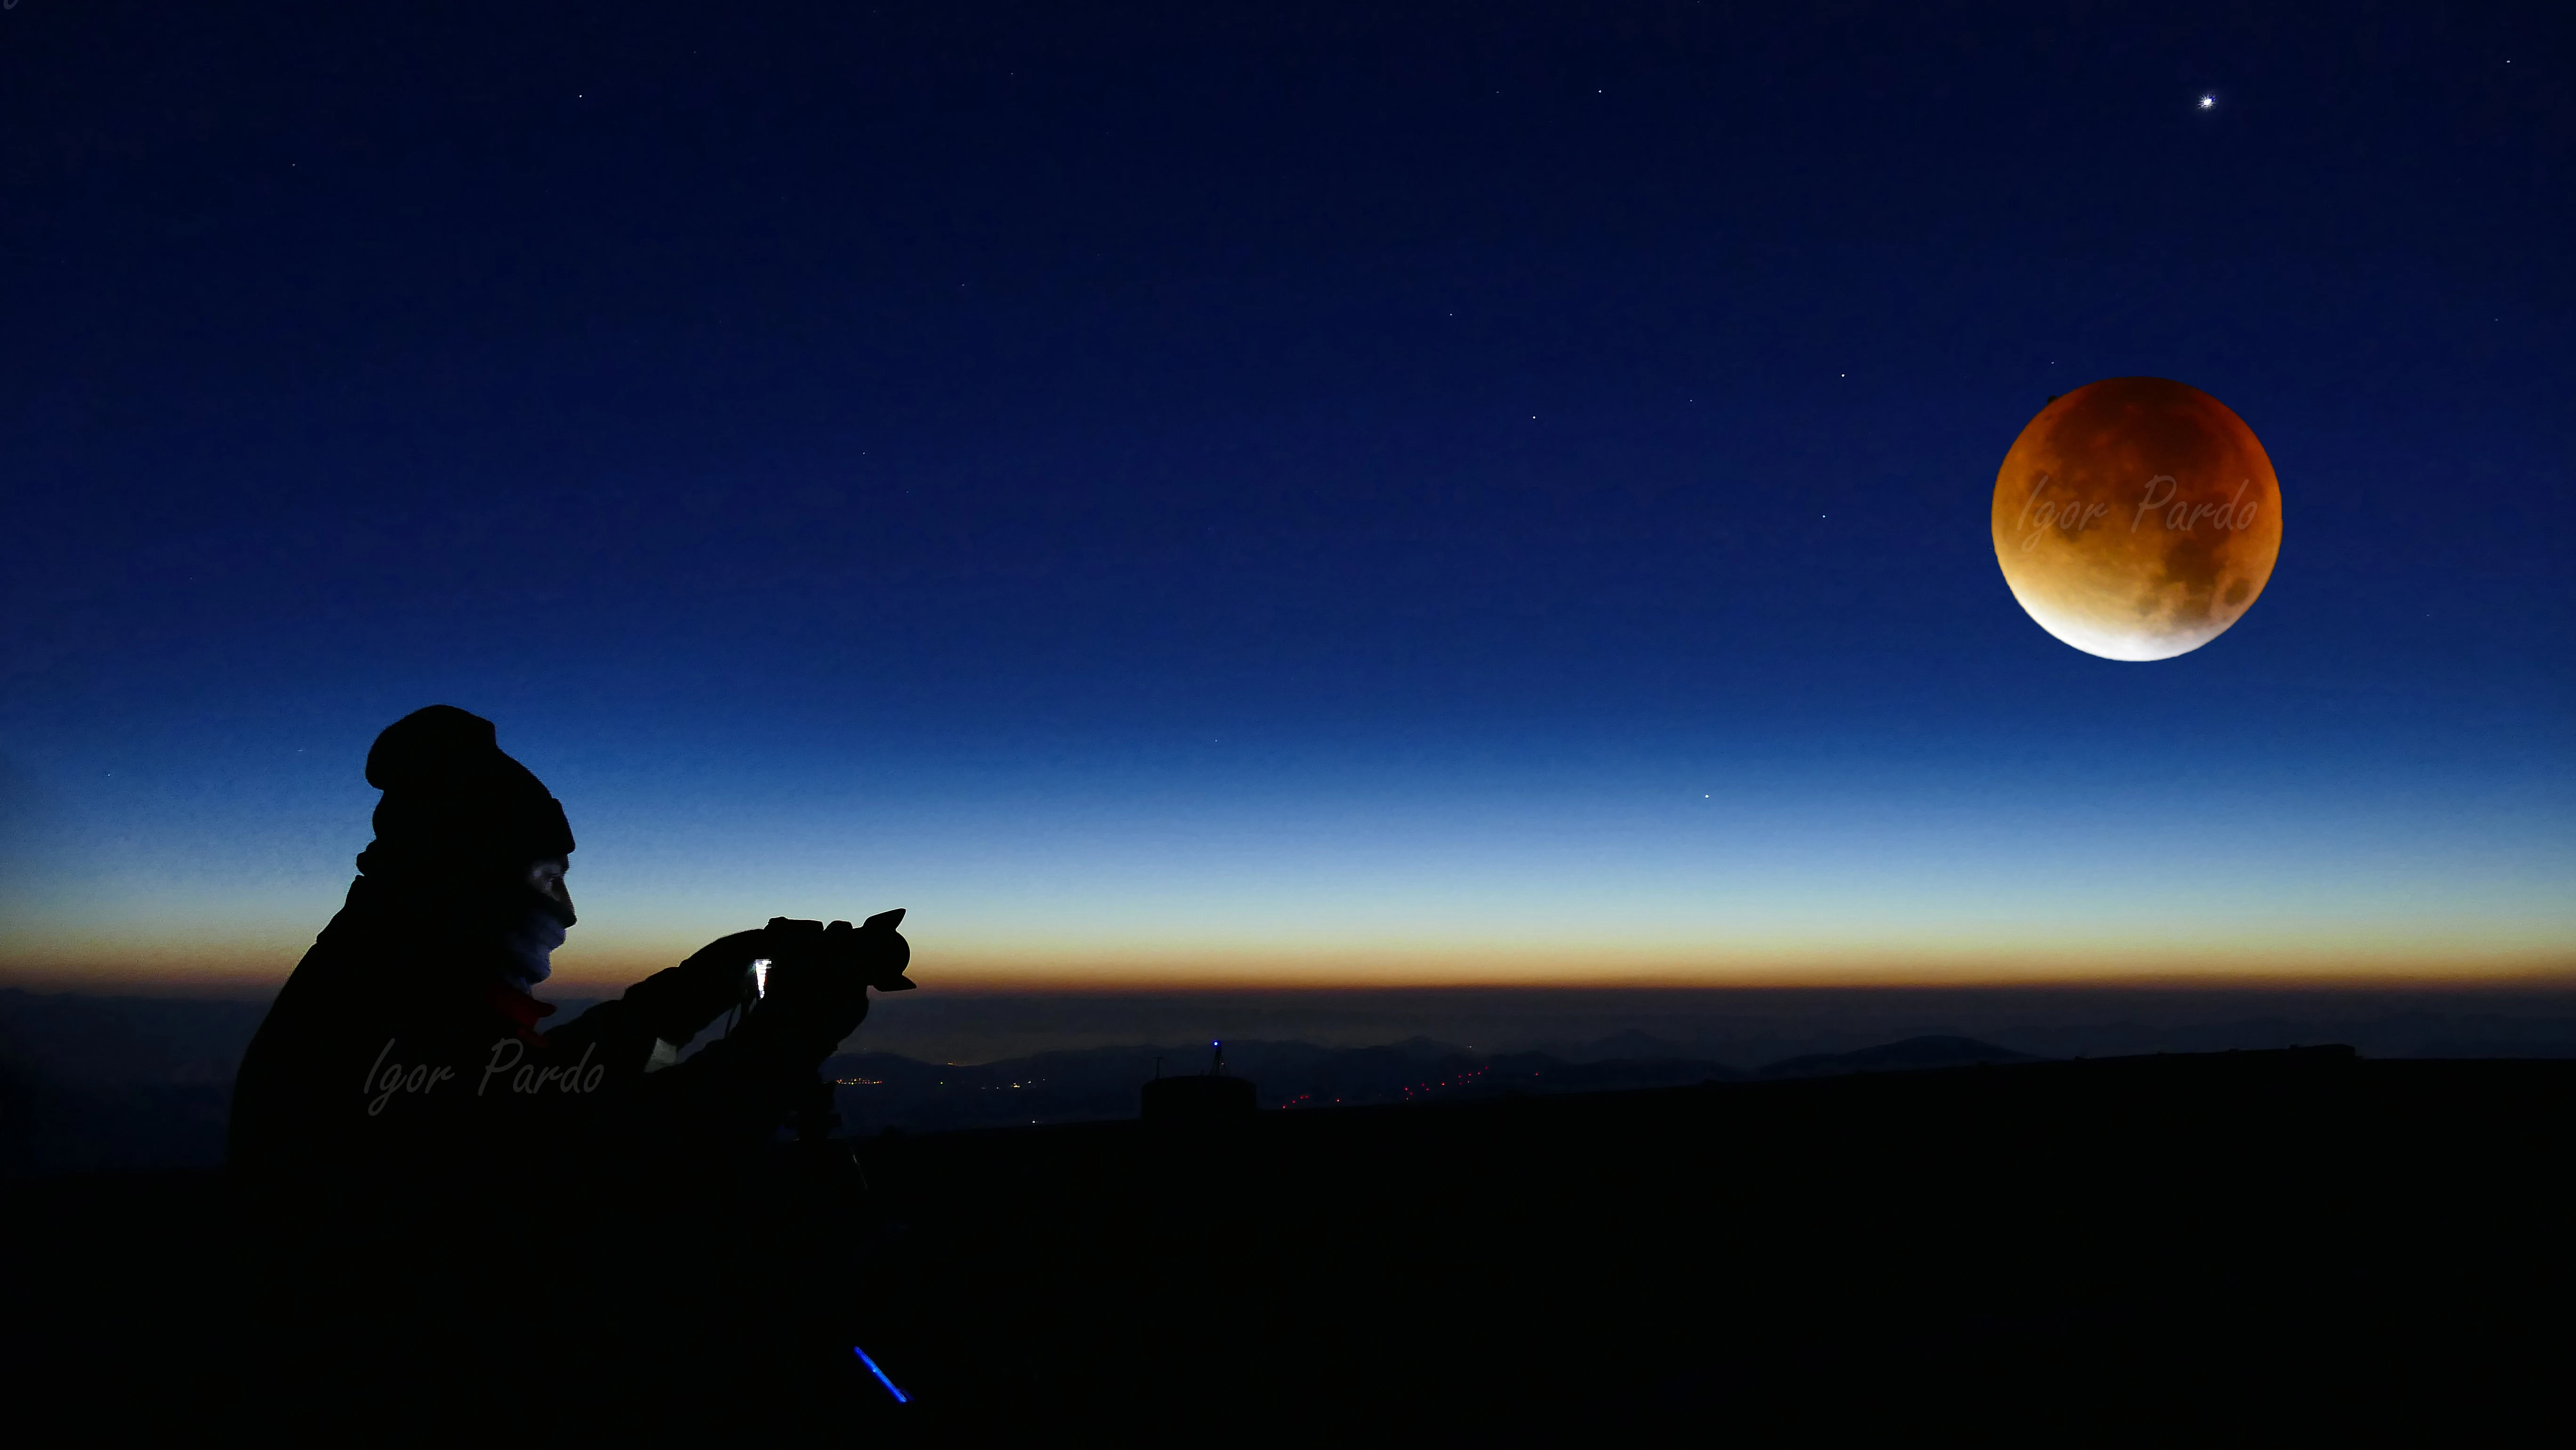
(873, 947)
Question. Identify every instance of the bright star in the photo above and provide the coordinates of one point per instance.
(2209, 103)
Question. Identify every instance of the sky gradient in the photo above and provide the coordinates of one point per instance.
(1204, 496)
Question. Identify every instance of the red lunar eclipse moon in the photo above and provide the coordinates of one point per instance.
(2137, 518)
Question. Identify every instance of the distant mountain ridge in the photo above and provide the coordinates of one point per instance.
(879, 1089)
(884, 1090)
(95, 1081)
(91, 1082)
(1914, 1054)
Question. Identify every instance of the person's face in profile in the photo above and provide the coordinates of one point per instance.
(546, 878)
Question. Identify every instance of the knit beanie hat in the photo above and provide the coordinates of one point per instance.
(453, 802)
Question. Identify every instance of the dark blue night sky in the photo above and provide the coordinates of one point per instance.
(1213, 493)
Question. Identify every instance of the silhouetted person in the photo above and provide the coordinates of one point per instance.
(407, 1040)
(449, 1208)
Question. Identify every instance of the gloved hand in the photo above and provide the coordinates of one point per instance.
(677, 1004)
(819, 978)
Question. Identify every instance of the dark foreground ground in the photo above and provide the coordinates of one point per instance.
(2301, 1238)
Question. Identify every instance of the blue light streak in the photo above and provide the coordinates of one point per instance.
(900, 1397)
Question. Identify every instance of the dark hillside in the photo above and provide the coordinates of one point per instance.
(2159, 1241)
